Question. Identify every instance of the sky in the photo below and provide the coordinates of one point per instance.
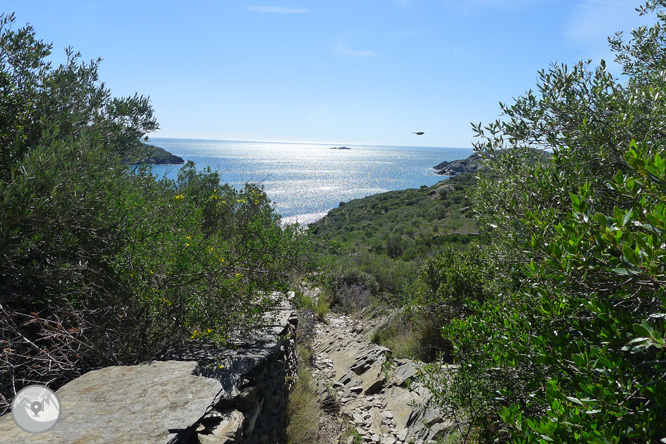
(340, 72)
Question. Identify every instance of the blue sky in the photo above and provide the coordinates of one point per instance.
(339, 72)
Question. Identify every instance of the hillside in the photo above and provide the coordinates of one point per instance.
(471, 164)
(154, 155)
(402, 224)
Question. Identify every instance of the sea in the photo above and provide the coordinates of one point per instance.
(306, 180)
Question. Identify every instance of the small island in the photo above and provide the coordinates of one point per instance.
(340, 148)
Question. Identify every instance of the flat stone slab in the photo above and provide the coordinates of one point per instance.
(158, 403)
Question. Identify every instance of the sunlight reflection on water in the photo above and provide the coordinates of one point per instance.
(306, 180)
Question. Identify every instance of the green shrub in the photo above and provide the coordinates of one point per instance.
(101, 263)
(413, 333)
(569, 347)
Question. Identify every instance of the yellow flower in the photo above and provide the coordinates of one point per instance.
(187, 245)
(188, 237)
(180, 196)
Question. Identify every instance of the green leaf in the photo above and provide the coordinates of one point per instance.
(644, 329)
(627, 217)
(574, 400)
(629, 256)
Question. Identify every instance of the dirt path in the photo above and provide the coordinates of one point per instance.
(360, 386)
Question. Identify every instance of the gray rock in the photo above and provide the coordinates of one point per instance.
(220, 428)
(160, 402)
(373, 380)
(432, 417)
(406, 371)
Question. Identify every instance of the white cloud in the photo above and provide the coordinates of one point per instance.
(276, 9)
(594, 20)
(342, 49)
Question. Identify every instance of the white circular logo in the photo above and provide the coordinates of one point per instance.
(36, 409)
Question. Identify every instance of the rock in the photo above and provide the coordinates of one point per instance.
(385, 407)
(222, 428)
(373, 380)
(432, 417)
(477, 162)
(375, 420)
(472, 163)
(364, 362)
(160, 402)
(406, 371)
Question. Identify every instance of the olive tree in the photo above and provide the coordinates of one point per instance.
(570, 348)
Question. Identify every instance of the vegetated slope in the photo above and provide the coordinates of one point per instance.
(406, 224)
(374, 247)
(160, 156)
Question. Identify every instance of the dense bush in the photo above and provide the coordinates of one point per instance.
(100, 262)
(569, 347)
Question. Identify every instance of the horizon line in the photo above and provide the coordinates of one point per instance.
(309, 142)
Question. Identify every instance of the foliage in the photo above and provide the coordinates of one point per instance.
(569, 346)
(455, 280)
(303, 410)
(317, 304)
(402, 224)
(386, 237)
(412, 332)
(67, 101)
(101, 263)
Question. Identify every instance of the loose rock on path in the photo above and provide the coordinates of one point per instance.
(380, 398)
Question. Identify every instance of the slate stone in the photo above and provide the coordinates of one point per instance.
(406, 371)
(224, 427)
(158, 403)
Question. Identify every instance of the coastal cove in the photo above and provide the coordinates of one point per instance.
(306, 180)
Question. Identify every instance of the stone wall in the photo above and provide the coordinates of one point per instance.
(201, 395)
(256, 380)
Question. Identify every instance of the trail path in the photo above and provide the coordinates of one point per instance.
(358, 382)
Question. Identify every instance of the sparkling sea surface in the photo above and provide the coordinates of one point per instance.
(306, 180)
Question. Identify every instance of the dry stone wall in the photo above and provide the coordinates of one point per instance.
(202, 395)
